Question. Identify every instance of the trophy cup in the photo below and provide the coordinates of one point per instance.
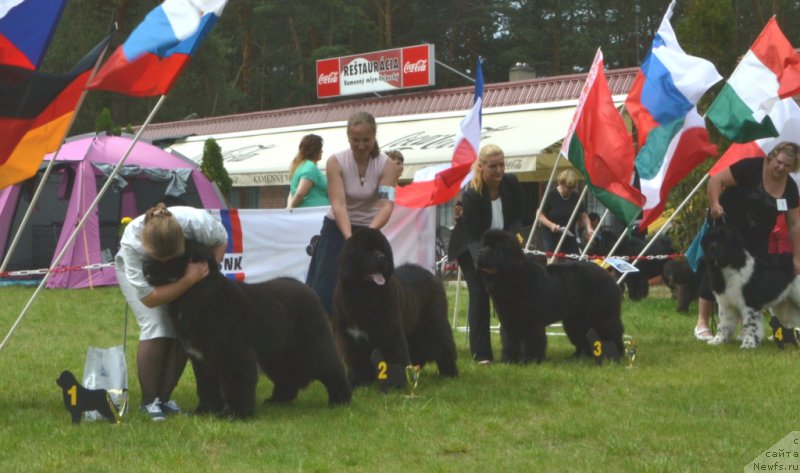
(412, 376)
(630, 350)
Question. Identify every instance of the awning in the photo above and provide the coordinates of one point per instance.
(529, 135)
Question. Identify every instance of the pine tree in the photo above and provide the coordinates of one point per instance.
(212, 167)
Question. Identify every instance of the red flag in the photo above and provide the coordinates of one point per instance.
(598, 144)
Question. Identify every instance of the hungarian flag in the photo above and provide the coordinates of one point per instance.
(770, 71)
(598, 144)
(669, 83)
(26, 28)
(153, 56)
(673, 138)
(36, 110)
(442, 186)
(785, 115)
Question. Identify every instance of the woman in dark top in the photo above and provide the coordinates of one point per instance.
(557, 210)
(750, 194)
(493, 199)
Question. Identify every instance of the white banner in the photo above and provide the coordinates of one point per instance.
(267, 243)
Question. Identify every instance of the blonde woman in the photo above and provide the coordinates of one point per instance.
(308, 186)
(361, 188)
(556, 212)
(160, 234)
(493, 199)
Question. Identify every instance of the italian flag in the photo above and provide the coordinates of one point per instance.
(599, 145)
(770, 71)
(786, 116)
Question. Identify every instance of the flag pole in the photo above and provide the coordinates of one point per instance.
(85, 217)
(569, 224)
(666, 224)
(591, 239)
(544, 199)
(50, 165)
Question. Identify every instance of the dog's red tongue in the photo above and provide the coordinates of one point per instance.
(378, 279)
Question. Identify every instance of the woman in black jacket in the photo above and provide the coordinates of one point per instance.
(493, 200)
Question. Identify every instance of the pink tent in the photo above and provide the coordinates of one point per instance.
(150, 175)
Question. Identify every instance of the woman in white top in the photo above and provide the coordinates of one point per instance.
(160, 234)
(361, 187)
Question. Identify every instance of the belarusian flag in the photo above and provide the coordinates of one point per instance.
(770, 71)
(598, 144)
(786, 117)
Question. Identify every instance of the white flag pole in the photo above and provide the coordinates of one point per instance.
(666, 224)
(569, 225)
(86, 216)
(50, 165)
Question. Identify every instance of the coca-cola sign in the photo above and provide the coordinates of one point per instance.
(379, 71)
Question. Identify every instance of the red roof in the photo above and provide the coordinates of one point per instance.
(531, 91)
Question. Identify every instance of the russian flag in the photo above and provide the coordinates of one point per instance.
(669, 83)
(439, 184)
(26, 28)
(153, 56)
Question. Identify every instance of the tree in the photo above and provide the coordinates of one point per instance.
(104, 123)
(211, 166)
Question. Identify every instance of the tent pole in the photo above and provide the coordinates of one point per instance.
(569, 224)
(666, 224)
(50, 165)
(541, 204)
(591, 239)
(85, 217)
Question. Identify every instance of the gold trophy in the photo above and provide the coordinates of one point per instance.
(412, 376)
(630, 350)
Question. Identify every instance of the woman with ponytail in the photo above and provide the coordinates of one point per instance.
(161, 234)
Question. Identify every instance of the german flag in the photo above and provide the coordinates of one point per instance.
(36, 110)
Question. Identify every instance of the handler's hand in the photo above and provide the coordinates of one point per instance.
(717, 211)
(196, 270)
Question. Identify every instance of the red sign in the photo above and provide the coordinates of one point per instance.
(380, 71)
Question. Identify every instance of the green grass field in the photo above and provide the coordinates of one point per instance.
(684, 406)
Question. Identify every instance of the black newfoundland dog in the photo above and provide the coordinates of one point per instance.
(528, 297)
(637, 284)
(401, 313)
(744, 286)
(232, 329)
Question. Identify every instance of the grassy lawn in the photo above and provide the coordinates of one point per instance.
(684, 406)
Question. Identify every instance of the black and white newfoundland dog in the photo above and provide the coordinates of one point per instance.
(528, 297)
(400, 312)
(744, 286)
(231, 329)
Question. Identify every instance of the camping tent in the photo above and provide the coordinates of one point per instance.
(150, 175)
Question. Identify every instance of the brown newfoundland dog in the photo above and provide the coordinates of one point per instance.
(528, 297)
(400, 313)
(231, 330)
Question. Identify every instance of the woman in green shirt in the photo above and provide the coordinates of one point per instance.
(309, 187)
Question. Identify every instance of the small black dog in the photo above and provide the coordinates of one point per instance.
(78, 399)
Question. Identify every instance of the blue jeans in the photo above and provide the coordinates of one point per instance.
(324, 267)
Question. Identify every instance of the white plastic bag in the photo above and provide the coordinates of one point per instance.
(105, 368)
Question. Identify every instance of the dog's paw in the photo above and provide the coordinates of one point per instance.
(717, 340)
(749, 343)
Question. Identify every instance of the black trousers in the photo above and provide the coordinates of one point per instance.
(478, 313)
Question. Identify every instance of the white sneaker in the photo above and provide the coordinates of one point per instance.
(170, 408)
(154, 410)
